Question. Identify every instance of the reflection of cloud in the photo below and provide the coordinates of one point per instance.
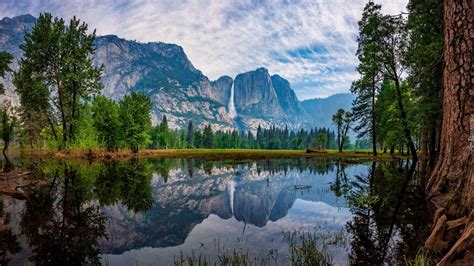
(304, 41)
(311, 213)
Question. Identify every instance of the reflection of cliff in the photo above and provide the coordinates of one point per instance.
(255, 204)
(177, 208)
(184, 203)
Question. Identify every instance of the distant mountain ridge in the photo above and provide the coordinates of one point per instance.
(179, 90)
(322, 109)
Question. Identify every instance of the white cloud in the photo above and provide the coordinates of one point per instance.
(230, 37)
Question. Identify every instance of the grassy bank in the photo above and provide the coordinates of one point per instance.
(211, 154)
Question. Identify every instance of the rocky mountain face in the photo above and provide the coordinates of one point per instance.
(260, 99)
(286, 96)
(11, 36)
(163, 72)
(254, 94)
(179, 90)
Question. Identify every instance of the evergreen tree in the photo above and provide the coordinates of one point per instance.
(424, 60)
(208, 137)
(190, 135)
(164, 135)
(366, 88)
(393, 46)
(321, 140)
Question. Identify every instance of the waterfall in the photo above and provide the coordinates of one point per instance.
(231, 107)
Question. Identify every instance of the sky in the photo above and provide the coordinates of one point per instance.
(312, 43)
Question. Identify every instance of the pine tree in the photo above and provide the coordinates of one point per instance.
(208, 137)
(366, 88)
(163, 134)
(190, 135)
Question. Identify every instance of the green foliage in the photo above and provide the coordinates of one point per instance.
(390, 99)
(421, 259)
(190, 135)
(321, 141)
(135, 120)
(107, 121)
(343, 121)
(86, 135)
(424, 59)
(127, 182)
(208, 137)
(8, 125)
(366, 88)
(5, 60)
(56, 74)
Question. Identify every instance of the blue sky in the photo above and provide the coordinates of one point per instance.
(309, 42)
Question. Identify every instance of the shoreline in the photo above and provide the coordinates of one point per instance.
(206, 154)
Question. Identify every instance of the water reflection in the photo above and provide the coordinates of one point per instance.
(390, 219)
(58, 223)
(125, 182)
(141, 211)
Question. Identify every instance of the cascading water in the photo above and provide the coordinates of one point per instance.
(231, 107)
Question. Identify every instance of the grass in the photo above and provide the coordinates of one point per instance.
(421, 259)
(305, 248)
(209, 154)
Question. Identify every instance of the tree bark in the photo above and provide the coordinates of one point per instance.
(451, 185)
(454, 171)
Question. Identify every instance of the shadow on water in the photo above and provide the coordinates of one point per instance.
(114, 207)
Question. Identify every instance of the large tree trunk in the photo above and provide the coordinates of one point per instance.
(451, 185)
(453, 173)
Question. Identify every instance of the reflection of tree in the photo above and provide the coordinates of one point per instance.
(162, 166)
(9, 244)
(385, 201)
(61, 225)
(340, 186)
(8, 164)
(127, 182)
(190, 165)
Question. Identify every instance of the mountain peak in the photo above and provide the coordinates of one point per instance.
(261, 69)
(22, 18)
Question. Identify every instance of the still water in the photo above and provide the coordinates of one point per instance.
(171, 211)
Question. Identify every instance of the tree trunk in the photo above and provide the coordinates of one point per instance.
(451, 185)
(454, 170)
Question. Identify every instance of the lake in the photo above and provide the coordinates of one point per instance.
(172, 211)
